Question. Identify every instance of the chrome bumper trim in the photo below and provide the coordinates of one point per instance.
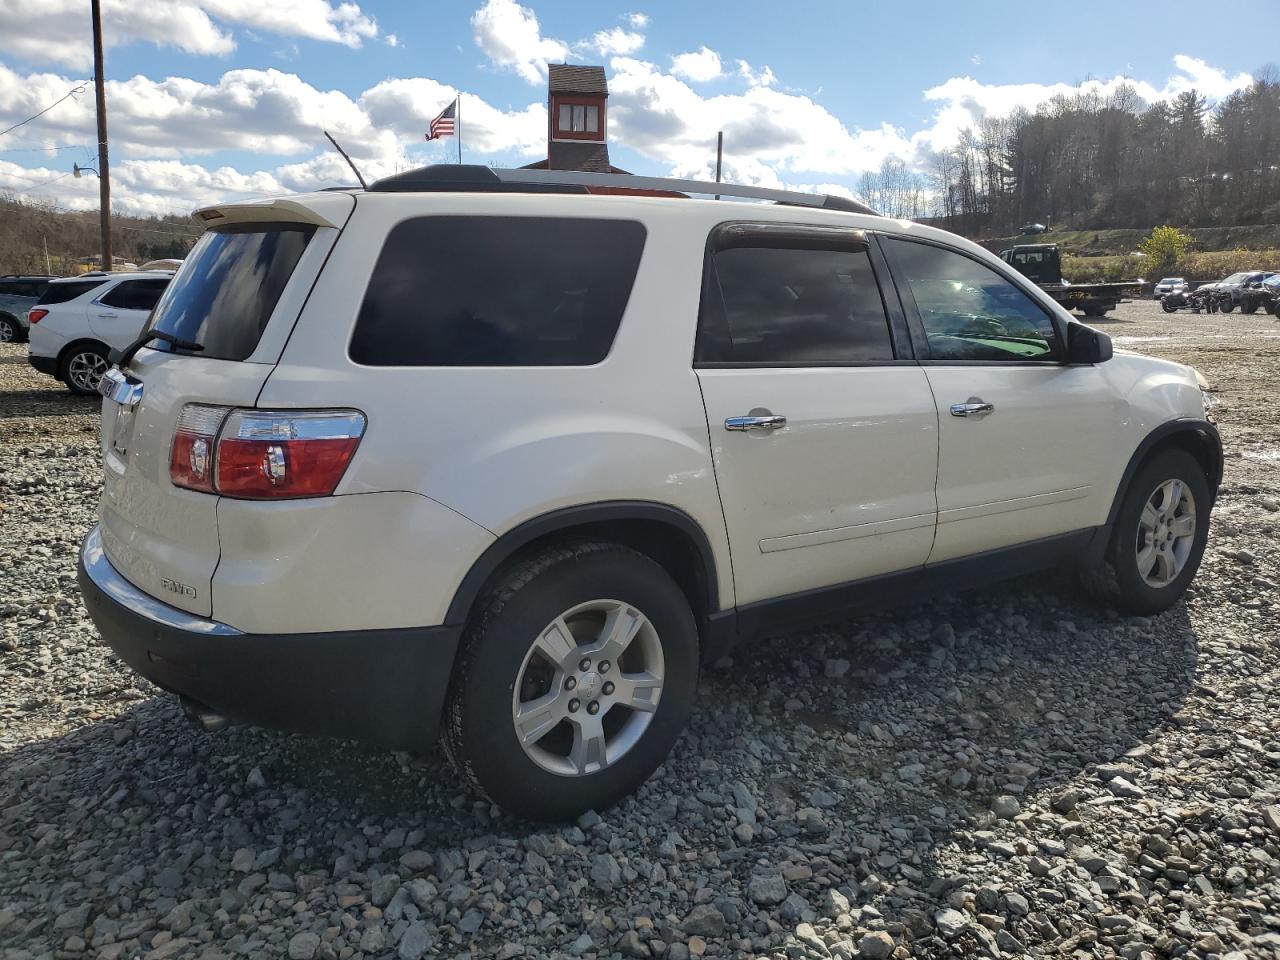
(102, 573)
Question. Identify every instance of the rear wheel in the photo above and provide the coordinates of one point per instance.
(83, 367)
(1159, 535)
(1249, 306)
(10, 331)
(1167, 307)
(577, 675)
(1226, 306)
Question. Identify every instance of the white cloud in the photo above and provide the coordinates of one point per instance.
(762, 78)
(616, 41)
(510, 36)
(638, 20)
(59, 31)
(699, 66)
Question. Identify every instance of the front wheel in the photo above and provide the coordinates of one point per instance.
(1167, 307)
(577, 675)
(1159, 535)
(1249, 306)
(1227, 306)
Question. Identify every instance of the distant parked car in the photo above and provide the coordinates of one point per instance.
(1230, 291)
(1271, 294)
(1253, 294)
(18, 294)
(1169, 285)
(1028, 228)
(79, 321)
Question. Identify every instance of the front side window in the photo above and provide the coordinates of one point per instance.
(134, 294)
(782, 305)
(498, 291)
(969, 311)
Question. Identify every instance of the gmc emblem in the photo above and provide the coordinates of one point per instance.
(181, 589)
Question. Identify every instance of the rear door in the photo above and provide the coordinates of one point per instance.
(117, 316)
(823, 431)
(237, 294)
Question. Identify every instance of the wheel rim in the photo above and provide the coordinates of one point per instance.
(588, 688)
(7, 333)
(86, 369)
(1166, 533)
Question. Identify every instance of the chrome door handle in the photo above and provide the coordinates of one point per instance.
(770, 422)
(973, 407)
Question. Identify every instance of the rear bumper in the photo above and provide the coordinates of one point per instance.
(47, 365)
(381, 686)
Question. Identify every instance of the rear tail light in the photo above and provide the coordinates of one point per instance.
(263, 454)
(36, 314)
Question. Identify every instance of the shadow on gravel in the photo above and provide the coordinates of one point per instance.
(54, 402)
(909, 722)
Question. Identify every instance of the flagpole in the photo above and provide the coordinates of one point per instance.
(458, 119)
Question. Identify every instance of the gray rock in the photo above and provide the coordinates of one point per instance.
(605, 872)
(303, 946)
(876, 945)
(834, 904)
(1006, 807)
(767, 890)
(76, 918)
(950, 923)
(704, 920)
(417, 940)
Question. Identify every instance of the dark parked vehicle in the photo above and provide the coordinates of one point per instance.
(1270, 299)
(18, 294)
(1230, 292)
(1030, 228)
(1042, 264)
(1254, 293)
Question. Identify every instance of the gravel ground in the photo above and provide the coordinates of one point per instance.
(1002, 772)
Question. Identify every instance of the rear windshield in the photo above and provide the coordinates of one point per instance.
(228, 286)
(62, 292)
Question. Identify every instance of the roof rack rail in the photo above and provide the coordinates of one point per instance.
(464, 178)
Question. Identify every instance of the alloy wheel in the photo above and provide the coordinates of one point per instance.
(85, 369)
(588, 688)
(8, 330)
(1166, 533)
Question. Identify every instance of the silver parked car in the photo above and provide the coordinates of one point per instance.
(18, 294)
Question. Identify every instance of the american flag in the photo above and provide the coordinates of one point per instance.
(442, 125)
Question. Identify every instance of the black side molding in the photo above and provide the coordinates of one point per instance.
(567, 519)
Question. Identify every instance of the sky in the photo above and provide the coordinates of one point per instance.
(211, 100)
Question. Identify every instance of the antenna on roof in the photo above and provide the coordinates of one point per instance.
(336, 146)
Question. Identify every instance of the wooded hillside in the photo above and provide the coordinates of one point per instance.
(26, 229)
(1088, 161)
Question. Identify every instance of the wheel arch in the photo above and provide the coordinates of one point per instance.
(1198, 437)
(664, 533)
(77, 343)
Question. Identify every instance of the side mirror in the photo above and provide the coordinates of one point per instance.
(1087, 345)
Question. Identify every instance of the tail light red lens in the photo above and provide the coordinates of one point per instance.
(191, 456)
(36, 314)
(265, 454)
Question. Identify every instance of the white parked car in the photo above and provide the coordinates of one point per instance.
(80, 320)
(1169, 285)
(474, 452)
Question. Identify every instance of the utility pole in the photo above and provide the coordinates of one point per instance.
(719, 155)
(104, 178)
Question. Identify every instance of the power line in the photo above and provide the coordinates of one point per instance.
(70, 93)
(65, 146)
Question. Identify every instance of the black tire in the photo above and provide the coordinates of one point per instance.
(69, 368)
(1094, 311)
(1249, 306)
(1119, 582)
(1226, 306)
(10, 329)
(1167, 307)
(480, 736)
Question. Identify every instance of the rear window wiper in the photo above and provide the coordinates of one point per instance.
(121, 358)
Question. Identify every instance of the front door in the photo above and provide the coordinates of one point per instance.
(824, 439)
(1022, 434)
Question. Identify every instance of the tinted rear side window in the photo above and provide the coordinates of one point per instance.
(228, 287)
(134, 294)
(62, 292)
(498, 291)
(767, 306)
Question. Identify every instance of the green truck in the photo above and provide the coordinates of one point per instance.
(1042, 264)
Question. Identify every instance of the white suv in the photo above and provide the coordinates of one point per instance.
(78, 321)
(478, 452)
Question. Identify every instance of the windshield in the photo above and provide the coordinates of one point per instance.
(228, 287)
(1234, 278)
